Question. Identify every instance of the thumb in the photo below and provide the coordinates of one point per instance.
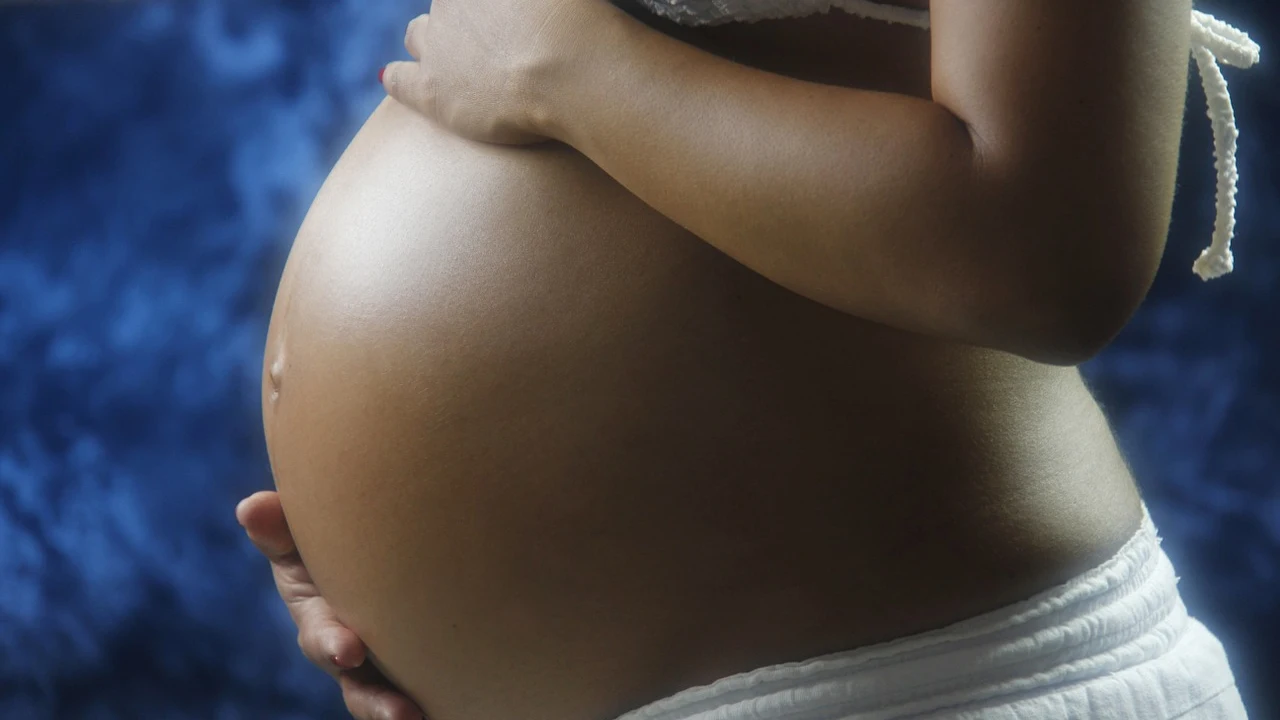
(405, 83)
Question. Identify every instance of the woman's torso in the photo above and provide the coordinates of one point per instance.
(553, 457)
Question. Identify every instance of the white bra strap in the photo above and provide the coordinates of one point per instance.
(1212, 41)
(885, 12)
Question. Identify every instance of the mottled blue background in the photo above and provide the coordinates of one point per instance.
(155, 161)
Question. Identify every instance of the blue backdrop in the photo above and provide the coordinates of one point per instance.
(155, 161)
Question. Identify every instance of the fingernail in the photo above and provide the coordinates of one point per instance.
(382, 72)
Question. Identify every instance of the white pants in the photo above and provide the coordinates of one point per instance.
(1114, 643)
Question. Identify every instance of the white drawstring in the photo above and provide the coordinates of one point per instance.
(1212, 41)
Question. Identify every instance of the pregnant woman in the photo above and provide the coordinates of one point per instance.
(718, 360)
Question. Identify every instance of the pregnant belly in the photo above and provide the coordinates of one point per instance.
(551, 456)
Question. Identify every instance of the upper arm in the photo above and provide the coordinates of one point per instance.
(1075, 111)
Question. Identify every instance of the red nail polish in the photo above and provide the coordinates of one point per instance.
(382, 72)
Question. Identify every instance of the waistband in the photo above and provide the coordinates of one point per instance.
(1122, 613)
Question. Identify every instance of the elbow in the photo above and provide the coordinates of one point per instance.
(1049, 339)
(1073, 309)
(1093, 320)
(1075, 339)
(1078, 242)
(1065, 334)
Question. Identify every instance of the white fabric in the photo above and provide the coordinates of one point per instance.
(1114, 643)
(718, 12)
(1212, 42)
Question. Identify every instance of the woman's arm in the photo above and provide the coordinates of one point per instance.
(1024, 209)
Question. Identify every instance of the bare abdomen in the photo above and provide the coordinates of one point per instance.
(535, 441)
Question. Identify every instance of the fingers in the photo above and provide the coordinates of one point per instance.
(324, 640)
(369, 696)
(322, 637)
(415, 36)
(406, 82)
(263, 519)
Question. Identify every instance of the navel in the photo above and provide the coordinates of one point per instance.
(275, 374)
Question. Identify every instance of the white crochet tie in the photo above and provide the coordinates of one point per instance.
(1212, 41)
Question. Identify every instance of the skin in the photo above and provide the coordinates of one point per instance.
(1052, 482)
(1048, 189)
(323, 639)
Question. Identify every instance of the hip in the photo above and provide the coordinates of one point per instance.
(1114, 641)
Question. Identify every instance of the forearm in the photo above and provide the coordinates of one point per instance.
(870, 203)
